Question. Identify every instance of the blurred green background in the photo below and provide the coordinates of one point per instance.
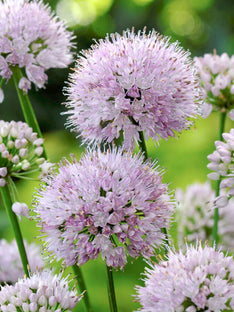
(200, 26)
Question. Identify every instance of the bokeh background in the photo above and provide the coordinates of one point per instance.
(200, 26)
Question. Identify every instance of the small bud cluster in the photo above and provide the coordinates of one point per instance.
(11, 268)
(222, 163)
(42, 292)
(20, 149)
(217, 78)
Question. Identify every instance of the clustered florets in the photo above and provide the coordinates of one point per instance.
(40, 292)
(132, 83)
(222, 163)
(100, 205)
(200, 280)
(217, 79)
(20, 150)
(32, 38)
(195, 215)
(10, 264)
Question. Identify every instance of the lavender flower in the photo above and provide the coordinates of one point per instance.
(132, 83)
(20, 150)
(102, 204)
(10, 264)
(32, 43)
(195, 215)
(42, 292)
(222, 163)
(217, 78)
(200, 280)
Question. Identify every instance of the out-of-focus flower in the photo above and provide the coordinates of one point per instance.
(195, 215)
(217, 79)
(20, 150)
(102, 204)
(34, 39)
(132, 83)
(10, 264)
(40, 292)
(20, 209)
(200, 280)
(195, 212)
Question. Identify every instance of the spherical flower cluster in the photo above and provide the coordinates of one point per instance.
(200, 280)
(10, 264)
(195, 215)
(102, 204)
(217, 78)
(32, 38)
(222, 163)
(132, 83)
(40, 292)
(20, 150)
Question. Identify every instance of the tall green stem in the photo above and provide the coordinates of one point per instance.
(217, 188)
(82, 287)
(7, 202)
(26, 106)
(142, 145)
(111, 290)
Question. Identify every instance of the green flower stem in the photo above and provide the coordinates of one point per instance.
(142, 145)
(111, 290)
(2, 81)
(215, 234)
(7, 202)
(82, 287)
(26, 106)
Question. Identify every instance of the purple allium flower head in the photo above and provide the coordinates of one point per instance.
(32, 38)
(20, 150)
(200, 280)
(102, 204)
(132, 83)
(10, 264)
(222, 163)
(217, 79)
(40, 292)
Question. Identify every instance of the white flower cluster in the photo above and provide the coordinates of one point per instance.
(11, 268)
(42, 292)
(20, 150)
(217, 78)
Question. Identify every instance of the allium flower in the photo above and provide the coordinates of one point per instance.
(20, 209)
(222, 163)
(217, 78)
(10, 264)
(20, 150)
(32, 38)
(132, 83)
(195, 215)
(102, 204)
(42, 292)
(200, 280)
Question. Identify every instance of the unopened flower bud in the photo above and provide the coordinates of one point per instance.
(20, 209)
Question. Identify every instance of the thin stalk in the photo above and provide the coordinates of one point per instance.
(215, 234)
(26, 106)
(82, 286)
(7, 202)
(111, 290)
(142, 145)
